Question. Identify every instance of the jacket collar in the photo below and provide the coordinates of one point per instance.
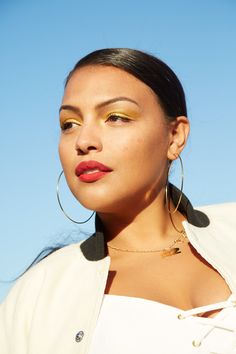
(94, 248)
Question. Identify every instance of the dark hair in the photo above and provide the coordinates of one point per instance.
(148, 69)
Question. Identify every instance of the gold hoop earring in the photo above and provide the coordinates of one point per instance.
(181, 189)
(61, 207)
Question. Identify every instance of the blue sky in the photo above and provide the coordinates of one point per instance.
(40, 43)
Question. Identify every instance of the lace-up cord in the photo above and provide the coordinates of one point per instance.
(207, 308)
(211, 323)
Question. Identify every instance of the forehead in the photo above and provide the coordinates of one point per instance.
(98, 82)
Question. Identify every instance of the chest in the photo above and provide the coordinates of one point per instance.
(185, 280)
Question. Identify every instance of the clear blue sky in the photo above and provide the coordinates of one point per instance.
(41, 41)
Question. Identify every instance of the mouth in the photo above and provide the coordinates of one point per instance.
(91, 171)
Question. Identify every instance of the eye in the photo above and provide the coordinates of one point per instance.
(68, 125)
(117, 118)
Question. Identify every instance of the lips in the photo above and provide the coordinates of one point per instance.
(90, 171)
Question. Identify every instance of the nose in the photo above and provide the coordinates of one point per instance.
(88, 139)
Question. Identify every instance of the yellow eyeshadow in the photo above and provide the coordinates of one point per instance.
(130, 115)
(70, 120)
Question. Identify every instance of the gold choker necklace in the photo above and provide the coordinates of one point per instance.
(165, 252)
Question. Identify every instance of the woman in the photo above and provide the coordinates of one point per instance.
(157, 276)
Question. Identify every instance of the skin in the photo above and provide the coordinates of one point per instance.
(135, 141)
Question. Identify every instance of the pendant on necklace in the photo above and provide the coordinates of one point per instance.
(171, 252)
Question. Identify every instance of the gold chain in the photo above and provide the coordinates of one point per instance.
(165, 252)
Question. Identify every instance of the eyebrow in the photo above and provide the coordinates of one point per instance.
(100, 105)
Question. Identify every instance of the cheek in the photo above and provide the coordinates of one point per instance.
(140, 160)
(67, 156)
(144, 149)
(62, 153)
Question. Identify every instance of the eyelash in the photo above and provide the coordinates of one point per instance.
(68, 125)
(119, 117)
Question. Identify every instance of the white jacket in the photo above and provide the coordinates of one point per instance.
(53, 308)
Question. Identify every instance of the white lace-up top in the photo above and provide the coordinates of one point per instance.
(129, 325)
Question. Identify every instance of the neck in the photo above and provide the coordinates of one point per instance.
(150, 227)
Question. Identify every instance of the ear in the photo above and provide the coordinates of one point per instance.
(179, 131)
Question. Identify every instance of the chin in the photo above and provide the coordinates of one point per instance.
(105, 203)
(97, 204)
(109, 198)
(93, 199)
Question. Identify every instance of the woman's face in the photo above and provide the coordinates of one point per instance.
(111, 118)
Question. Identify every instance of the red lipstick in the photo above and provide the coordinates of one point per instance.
(91, 171)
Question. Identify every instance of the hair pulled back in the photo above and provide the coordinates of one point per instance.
(148, 69)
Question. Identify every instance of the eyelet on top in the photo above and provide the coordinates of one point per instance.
(196, 343)
(180, 316)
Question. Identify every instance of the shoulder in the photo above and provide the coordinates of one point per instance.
(40, 285)
(61, 258)
(226, 208)
(220, 213)
(19, 305)
(65, 255)
(221, 222)
(28, 286)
